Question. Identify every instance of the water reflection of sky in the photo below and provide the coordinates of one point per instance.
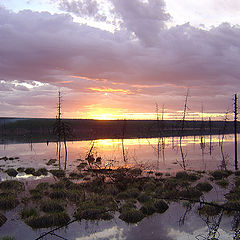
(156, 227)
(139, 151)
(160, 154)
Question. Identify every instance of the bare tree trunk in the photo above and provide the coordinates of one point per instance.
(183, 155)
(123, 136)
(235, 129)
(210, 136)
(66, 154)
(59, 154)
(223, 163)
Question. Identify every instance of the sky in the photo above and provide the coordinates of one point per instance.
(119, 59)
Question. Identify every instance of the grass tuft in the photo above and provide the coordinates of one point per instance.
(131, 216)
(12, 185)
(51, 207)
(48, 220)
(143, 197)
(58, 173)
(220, 174)
(20, 169)
(92, 214)
(8, 201)
(191, 193)
(204, 186)
(209, 210)
(28, 212)
(29, 171)
(161, 206)
(3, 219)
(11, 172)
(222, 183)
(58, 194)
(51, 162)
(7, 238)
(148, 208)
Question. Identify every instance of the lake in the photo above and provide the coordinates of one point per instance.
(161, 155)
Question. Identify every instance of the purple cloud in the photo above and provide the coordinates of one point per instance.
(153, 62)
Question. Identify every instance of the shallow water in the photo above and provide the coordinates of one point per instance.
(163, 155)
(166, 226)
(200, 153)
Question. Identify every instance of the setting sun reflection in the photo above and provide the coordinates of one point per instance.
(167, 141)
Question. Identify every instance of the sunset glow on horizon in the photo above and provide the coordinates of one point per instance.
(114, 59)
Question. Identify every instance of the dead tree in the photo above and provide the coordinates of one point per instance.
(123, 137)
(183, 155)
(223, 162)
(235, 129)
(62, 130)
(210, 136)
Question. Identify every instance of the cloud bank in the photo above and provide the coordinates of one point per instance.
(140, 63)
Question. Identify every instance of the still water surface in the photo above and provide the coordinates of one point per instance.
(201, 153)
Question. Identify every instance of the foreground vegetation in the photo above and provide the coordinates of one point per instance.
(102, 194)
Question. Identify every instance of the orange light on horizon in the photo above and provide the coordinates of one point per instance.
(110, 90)
(89, 79)
(99, 112)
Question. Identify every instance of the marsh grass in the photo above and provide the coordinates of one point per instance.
(8, 201)
(3, 219)
(158, 174)
(36, 194)
(30, 171)
(223, 183)
(7, 238)
(97, 213)
(51, 161)
(209, 210)
(149, 187)
(82, 165)
(74, 175)
(75, 195)
(143, 197)
(48, 220)
(237, 173)
(133, 192)
(220, 174)
(11, 172)
(58, 173)
(28, 212)
(204, 186)
(237, 182)
(58, 194)
(90, 210)
(20, 169)
(128, 205)
(50, 206)
(191, 193)
(148, 208)
(58, 185)
(188, 176)
(40, 172)
(122, 195)
(12, 185)
(43, 186)
(96, 207)
(160, 205)
(132, 195)
(131, 216)
(232, 206)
